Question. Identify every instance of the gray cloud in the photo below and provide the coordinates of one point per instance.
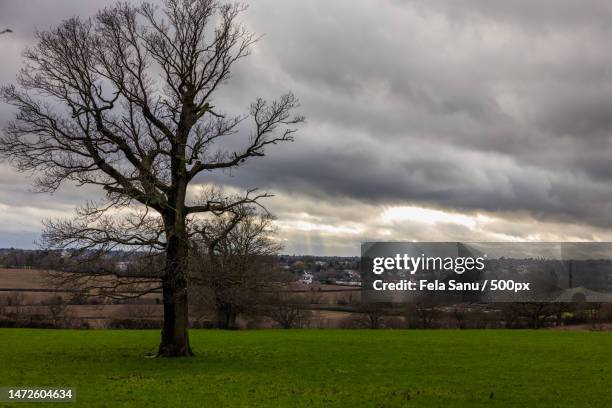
(463, 106)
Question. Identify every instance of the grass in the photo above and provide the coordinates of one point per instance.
(317, 368)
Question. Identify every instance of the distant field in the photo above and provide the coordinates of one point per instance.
(23, 278)
(98, 316)
(317, 368)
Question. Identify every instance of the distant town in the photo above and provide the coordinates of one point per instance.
(306, 269)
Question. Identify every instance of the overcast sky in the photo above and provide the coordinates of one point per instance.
(463, 120)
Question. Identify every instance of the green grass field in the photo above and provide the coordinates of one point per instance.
(316, 368)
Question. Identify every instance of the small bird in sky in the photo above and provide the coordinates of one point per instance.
(8, 30)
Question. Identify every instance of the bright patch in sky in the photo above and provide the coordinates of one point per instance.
(430, 216)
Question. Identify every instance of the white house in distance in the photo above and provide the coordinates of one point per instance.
(306, 278)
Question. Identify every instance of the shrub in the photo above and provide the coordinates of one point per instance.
(135, 324)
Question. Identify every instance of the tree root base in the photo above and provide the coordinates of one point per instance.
(171, 350)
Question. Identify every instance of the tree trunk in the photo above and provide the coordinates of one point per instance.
(175, 337)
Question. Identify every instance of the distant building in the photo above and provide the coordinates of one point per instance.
(306, 278)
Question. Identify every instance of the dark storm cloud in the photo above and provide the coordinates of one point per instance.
(469, 106)
(470, 182)
(514, 97)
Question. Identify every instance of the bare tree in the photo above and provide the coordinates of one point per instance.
(372, 315)
(287, 310)
(57, 307)
(237, 263)
(125, 101)
(535, 313)
(422, 314)
(460, 313)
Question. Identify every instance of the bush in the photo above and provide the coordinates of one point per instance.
(135, 324)
(41, 322)
(202, 324)
(141, 324)
(30, 323)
